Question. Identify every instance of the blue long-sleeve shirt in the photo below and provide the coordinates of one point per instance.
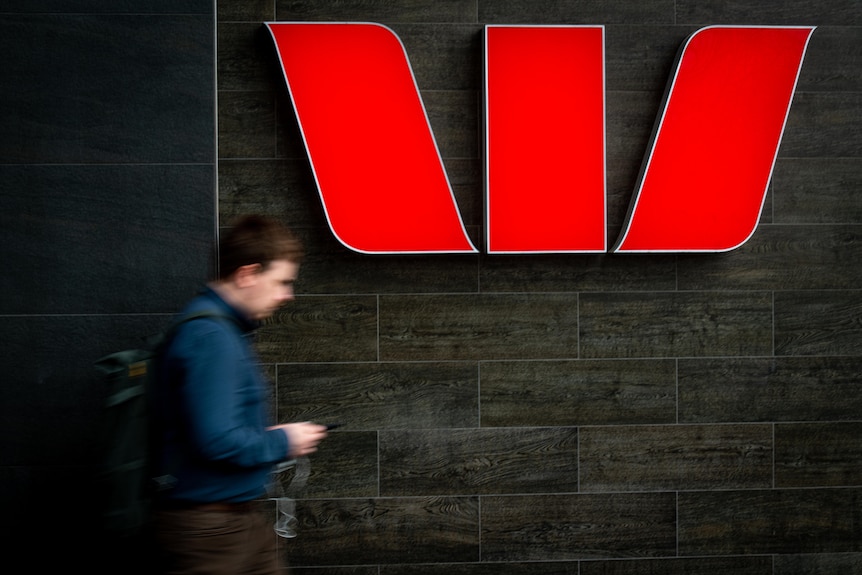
(213, 402)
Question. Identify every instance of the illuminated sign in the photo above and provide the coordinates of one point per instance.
(545, 139)
(385, 190)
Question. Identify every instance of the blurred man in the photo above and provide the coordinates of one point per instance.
(218, 447)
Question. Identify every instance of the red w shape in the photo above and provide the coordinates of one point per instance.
(706, 175)
(384, 189)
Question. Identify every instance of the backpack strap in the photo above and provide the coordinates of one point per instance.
(160, 340)
(197, 315)
(203, 313)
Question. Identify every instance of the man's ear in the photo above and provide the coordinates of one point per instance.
(246, 276)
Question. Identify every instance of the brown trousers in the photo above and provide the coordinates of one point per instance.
(199, 541)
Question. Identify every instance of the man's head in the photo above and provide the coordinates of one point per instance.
(256, 240)
(258, 265)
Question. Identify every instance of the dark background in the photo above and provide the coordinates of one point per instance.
(578, 414)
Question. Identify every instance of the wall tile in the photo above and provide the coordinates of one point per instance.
(363, 570)
(289, 141)
(757, 565)
(377, 10)
(478, 326)
(769, 389)
(466, 177)
(454, 119)
(818, 323)
(333, 268)
(110, 6)
(818, 454)
(665, 457)
(321, 329)
(622, 176)
(544, 393)
(820, 564)
(814, 191)
(462, 461)
(585, 12)
(675, 324)
(246, 11)
(576, 272)
(566, 527)
(641, 58)
(793, 12)
(823, 124)
(345, 465)
(247, 59)
(443, 56)
(386, 530)
(775, 521)
(376, 396)
(71, 104)
(280, 188)
(831, 59)
(93, 238)
(532, 568)
(246, 125)
(789, 257)
(629, 120)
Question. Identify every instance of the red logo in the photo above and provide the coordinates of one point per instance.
(384, 188)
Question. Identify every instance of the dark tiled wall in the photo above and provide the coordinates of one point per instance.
(559, 414)
(107, 212)
(589, 415)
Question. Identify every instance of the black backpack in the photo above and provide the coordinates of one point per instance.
(126, 481)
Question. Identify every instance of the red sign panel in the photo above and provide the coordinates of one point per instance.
(377, 167)
(385, 190)
(711, 158)
(544, 139)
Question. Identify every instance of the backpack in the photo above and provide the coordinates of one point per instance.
(126, 480)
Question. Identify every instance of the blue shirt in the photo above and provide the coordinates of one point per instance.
(213, 403)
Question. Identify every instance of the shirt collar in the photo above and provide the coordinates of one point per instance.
(246, 323)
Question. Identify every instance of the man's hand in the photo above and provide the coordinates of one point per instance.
(302, 438)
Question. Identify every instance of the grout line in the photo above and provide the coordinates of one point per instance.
(479, 393)
(676, 520)
(676, 386)
(377, 302)
(774, 425)
(377, 433)
(216, 221)
(479, 524)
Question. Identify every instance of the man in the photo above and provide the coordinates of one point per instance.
(212, 401)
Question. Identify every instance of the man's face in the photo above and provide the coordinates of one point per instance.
(272, 288)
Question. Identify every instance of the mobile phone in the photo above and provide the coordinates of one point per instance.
(331, 426)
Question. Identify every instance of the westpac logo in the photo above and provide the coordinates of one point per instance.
(382, 182)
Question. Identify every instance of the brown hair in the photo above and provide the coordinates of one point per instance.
(256, 239)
